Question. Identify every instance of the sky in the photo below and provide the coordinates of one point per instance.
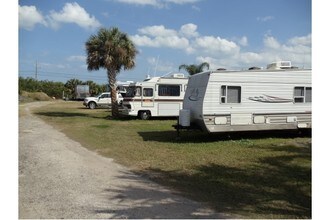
(231, 34)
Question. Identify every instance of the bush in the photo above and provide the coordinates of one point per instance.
(34, 96)
(52, 89)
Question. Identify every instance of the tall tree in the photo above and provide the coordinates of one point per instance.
(71, 85)
(93, 88)
(193, 69)
(112, 50)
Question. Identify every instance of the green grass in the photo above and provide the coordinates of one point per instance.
(258, 175)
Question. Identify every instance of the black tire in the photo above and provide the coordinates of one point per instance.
(92, 105)
(144, 115)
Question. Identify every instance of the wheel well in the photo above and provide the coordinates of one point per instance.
(148, 111)
(141, 112)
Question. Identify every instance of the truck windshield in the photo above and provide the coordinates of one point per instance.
(133, 91)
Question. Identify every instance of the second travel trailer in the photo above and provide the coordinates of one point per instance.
(279, 97)
(156, 96)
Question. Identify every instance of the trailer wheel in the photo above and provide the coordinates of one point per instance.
(144, 115)
(92, 105)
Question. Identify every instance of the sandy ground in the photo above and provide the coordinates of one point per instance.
(58, 178)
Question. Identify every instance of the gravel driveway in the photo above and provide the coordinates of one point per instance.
(58, 178)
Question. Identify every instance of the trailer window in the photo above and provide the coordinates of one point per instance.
(169, 90)
(133, 91)
(148, 92)
(308, 94)
(302, 94)
(230, 94)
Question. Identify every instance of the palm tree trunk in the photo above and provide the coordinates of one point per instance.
(112, 82)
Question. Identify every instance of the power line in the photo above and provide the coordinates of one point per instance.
(59, 74)
(66, 75)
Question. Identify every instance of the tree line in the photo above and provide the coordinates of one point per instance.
(58, 89)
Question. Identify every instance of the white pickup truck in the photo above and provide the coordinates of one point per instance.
(102, 100)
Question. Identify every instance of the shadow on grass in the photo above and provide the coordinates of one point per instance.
(69, 115)
(194, 136)
(140, 199)
(91, 114)
(275, 187)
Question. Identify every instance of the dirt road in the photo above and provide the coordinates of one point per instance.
(58, 178)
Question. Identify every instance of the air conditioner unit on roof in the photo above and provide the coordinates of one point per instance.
(279, 65)
(178, 75)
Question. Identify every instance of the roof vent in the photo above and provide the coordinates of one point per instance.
(178, 75)
(255, 68)
(279, 65)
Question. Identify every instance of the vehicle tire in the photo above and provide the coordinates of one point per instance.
(144, 115)
(92, 105)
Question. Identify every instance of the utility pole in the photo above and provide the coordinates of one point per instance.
(36, 73)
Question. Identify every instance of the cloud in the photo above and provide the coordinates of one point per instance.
(187, 39)
(44, 65)
(157, 30)
(159, 36)
(189, 30)
(251, 58)
(76, 58)
(296, 49)
(182, 2)
(220, 52)
(29, 16)
(195, 8)
(214, 62)
(271, 42)
(174, 42)
(73, 13)
(215, 45)
(160, 65)
(266, 18)
(157, 3)
(243, 41)
(305, 40)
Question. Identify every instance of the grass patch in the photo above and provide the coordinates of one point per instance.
(251, 175)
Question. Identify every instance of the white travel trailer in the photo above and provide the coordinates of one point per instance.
(157, 96)
(251, 100)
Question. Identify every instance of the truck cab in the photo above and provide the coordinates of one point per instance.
(102, 100)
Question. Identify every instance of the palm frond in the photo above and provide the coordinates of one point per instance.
(193, 69)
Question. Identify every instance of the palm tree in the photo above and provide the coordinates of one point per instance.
(112, 50)
(71, 84)
(193, 69)
(93, 88)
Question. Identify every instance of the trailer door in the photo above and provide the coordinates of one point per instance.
(148, 97)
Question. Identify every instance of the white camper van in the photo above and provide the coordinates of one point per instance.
(271, 99)
(157, 96)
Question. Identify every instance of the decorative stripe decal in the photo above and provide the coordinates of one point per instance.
(263, 114)
(155, 100)
(269, 99)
